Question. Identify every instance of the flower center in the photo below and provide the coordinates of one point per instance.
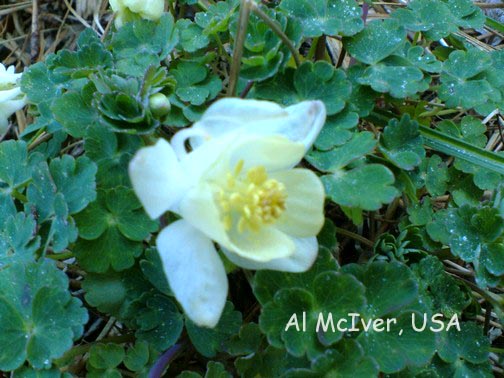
(251, 199)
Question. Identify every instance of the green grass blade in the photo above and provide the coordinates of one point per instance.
(460, 149)
(496, 25)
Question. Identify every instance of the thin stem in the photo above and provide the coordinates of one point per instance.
(279, 32)
(243, 18)
(354, 236)
(163, 361)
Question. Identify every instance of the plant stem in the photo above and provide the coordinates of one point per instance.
(354, 236)
(276, 29)
(243, 18)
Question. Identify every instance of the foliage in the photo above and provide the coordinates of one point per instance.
(415, 200)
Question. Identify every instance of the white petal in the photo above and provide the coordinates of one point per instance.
(10, 94)
(201, 160)
(300, 261)
(198, 208)
(306, 121)
(299, 123)
(8, 76)
(157, 178)
(194, 271)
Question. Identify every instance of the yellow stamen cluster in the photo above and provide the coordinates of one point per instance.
(251, 199)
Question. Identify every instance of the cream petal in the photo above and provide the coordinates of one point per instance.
(299, 123)
(273, 152)
(149, 9)
(304, 208)
(116, 5)
(263, 245)
(194, 271)
(199, 209)
(300, 261)
(157, 178)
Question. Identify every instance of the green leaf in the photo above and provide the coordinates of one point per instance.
(394, 352)
(17, 239)
(328, 17)
(59, 190)
(337, 130)
(378, 40)
(378, 277)
(263, 51)
(160, 323)
(191, 35)
(327, 236)
(208, 341)
(74, 111)
(214, 370)
(247, 341)
(73, 178)
(447, 297)
(267, 282)
(137, 356)
(465, 229)
(311, 81)
(110, 229)
(400, 81)
(460, 85)
(401, 143)
(105, 356)
(435, 174)
(112, 153)
(348, 360)
(271, 362)
(90, 57)
(216, 18)
(439, 18)
(115, 293)
(469, 344)
(331, 294)
(152, 269)
(462, 188)
(320, 80)
(142, 43)
(26, 372)
(40, 319)
(361, 144)
(194, 83)
(366, 187)
(15, 167)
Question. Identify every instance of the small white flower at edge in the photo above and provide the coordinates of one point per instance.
(11, 97)
(237, 188)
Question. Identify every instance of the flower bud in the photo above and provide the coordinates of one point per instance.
(159, 104)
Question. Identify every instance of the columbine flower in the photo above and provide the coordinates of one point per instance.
(11, 97)
(237, 188)
(126, 9)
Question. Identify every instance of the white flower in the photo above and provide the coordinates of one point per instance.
(237, 188)
(11, 97)
(147, 9)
